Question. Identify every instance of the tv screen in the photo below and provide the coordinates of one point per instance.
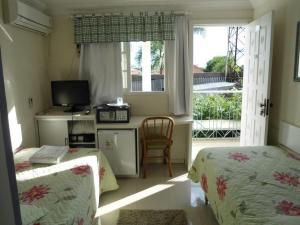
(70, 93)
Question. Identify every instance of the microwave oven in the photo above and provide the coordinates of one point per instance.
(113, 113)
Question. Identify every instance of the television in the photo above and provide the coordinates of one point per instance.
(71, 93)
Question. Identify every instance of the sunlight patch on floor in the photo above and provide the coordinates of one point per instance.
(181, 178)
(131, 199)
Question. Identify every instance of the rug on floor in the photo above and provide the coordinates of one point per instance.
(152, 217)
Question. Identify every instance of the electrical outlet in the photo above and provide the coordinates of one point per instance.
(30, 102)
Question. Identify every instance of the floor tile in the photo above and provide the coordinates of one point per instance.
(157, 191)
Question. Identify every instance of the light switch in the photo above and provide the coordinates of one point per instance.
(30, 102)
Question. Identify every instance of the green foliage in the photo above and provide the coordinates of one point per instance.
(212, 107)
(218, 64)
(138, 58)
(199, 30)
(157, 56)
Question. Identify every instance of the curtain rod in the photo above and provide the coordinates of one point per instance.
(177, 13)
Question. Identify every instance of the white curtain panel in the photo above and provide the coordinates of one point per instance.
(177, 69)
(100, 64)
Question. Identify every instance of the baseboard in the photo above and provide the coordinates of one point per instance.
(180, 161)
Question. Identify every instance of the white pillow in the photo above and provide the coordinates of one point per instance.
(31, 213)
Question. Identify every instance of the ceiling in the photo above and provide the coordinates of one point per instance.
(63, 7)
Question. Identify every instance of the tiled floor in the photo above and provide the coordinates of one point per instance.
(158, 191)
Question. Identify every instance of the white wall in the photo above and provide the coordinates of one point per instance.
(63, 56)
(284, 91)
(25, 56)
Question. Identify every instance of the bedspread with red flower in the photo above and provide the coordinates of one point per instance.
(67, 194)
(107, 177)
(250, 185)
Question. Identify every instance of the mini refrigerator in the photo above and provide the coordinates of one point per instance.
(120, 148)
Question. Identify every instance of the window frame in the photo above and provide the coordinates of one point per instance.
(126, 51)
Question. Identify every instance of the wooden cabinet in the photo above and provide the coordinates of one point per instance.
(53, 132)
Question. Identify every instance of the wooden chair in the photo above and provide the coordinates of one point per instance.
(157, 135)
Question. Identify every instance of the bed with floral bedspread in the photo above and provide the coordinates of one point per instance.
(64, 194)
(250, 185)
(107, 177)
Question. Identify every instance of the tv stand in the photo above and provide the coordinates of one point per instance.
(55, 127)
(74, 109)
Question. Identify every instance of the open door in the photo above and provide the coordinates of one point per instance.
(257, 82)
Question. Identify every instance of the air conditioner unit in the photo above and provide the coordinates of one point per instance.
(25, 16)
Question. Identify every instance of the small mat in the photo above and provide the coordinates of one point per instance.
(152, 217)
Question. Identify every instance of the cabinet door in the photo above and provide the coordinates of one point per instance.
(53, 132)
(119, 146)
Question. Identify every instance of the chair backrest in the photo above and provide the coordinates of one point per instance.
(158, 126)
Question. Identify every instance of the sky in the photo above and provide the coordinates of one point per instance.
(212, 43)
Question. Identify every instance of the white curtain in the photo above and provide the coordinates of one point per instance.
(177, 69)
(101, 64)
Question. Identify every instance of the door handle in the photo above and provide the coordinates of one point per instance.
(263, 105)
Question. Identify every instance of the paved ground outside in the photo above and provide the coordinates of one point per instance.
(200, 143)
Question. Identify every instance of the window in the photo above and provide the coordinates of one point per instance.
(143, 66)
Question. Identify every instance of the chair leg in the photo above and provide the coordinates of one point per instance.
(206, 200)
(169, 162)
(145, 165)
(142, 160)
(165, 155)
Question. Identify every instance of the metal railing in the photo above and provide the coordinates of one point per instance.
(217, 114)
(157, 80)
(206, 78)
(157, 83)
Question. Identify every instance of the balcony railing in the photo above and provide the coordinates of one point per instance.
(157, 82)
(217, 114)
(206, 78)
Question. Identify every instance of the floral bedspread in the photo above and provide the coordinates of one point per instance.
(67, 194)
(250, 185)
(107, 177)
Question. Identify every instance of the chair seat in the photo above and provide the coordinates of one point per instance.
(157, 135)
(157, 141)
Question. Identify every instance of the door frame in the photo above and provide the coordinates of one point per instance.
(10, 214)
(204, 22)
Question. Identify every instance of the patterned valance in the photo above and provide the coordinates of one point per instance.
(121, 28)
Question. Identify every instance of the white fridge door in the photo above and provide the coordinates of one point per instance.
(119, 146)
